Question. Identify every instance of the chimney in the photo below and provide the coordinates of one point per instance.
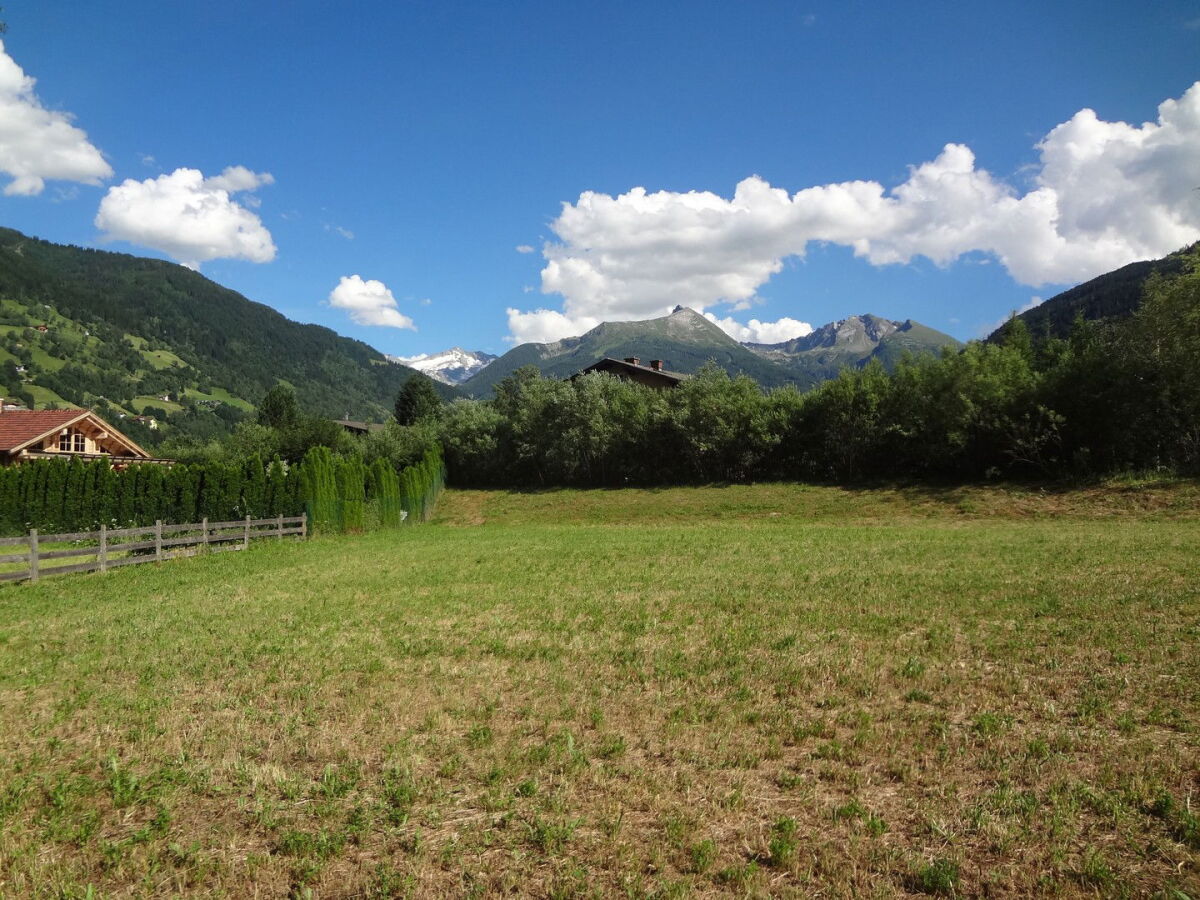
(656, 365)
(633, 360)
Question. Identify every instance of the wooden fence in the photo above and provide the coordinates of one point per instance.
(133, 545)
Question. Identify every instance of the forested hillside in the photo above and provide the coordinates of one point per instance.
(130, 330)
(1113, 295)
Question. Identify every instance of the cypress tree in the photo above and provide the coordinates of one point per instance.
(103, 503)
(73, 503)
(254, 489)
(56, 483)
(87, 503)
(186, 510)
(24, 491)
(351, 478)
(319, 489)
(276, 499)
(126, 491)
(155, 497)
(8, 504)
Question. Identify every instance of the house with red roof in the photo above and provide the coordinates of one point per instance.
(27, 434)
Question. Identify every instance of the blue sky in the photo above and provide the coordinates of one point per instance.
(794, 155)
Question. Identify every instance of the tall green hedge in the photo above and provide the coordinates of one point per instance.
(73, 495)
(338, 494)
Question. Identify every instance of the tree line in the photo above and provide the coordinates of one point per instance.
(1119, 395)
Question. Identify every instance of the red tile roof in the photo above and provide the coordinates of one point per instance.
(19, 426)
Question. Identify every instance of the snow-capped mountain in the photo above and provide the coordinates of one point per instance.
(453, 366)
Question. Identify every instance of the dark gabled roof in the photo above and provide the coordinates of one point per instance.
(358, 427)
(608, 364)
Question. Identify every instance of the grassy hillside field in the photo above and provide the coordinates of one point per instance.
(765, 691)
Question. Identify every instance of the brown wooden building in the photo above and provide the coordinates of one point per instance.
(56, 433)
(631, 369)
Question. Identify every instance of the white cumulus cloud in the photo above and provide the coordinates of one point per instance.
(189, 217)
(369, 302)
(544, 326)
(1103, 194)
(756, 332)
(37, 143)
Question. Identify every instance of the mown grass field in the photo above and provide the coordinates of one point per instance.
(763, 691)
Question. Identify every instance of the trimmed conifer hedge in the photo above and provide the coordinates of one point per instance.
(339, 495)
(62, 495)
(342, 495)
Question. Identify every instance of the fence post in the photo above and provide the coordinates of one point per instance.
(158, 540)
(303, 525)
(280, 527)
(33, 555)
(246, 534)
(204, 528)
(102, 556)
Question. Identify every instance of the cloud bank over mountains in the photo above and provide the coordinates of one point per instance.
(37, 143)
(1104, 194)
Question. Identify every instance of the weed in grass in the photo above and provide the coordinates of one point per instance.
(317, 845)
(703, 855)
(611, 746)
(123, 785)
(738, 876)
(479, 736)
(913, 668)
(1095, 871)
(990, 724)
(784, 842)
(337, 781)
(852, 810)
(937, 877)
(526, 788)
(389, 882)
(450, 767)
(550, 837)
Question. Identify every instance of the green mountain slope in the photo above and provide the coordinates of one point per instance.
(1113, 295)
(133, 330)
(684, 340)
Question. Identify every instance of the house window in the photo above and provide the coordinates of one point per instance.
(71, 441)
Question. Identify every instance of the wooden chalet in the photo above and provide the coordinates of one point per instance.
(27, 434)
(358, 428)
(631, 369)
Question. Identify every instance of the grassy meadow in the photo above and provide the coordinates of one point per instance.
(771, 690)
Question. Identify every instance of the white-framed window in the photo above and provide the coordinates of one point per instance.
(72, 441)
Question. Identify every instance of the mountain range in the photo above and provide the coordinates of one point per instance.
(94, 328)
(685, 340)
(453, 366)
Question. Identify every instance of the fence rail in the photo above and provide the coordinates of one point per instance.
(183, 540)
